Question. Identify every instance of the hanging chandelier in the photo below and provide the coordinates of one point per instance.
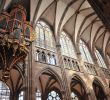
(16, 34)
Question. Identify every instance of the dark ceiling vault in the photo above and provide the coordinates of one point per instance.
(102, 8)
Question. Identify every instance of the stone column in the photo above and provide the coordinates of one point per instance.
(91, 95)
(66, 91)
(90, 92)
(82, 66)
(28, 92)
(81, 62)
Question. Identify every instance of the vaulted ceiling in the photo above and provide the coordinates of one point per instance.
(76, 17)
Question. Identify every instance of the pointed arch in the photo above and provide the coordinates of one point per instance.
(51, 71)
(81, 80)
(85, 53)
(67, 46)
(78, 88)
(49, 81)
(99, 81)
(99, 89)
(45, 38)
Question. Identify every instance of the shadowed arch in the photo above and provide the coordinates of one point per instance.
(78, 87)
(49, 80)
(99, 81)
(81, 79)
(50, 70)
(99, 90)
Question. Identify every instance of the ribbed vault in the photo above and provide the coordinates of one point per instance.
(76, 17)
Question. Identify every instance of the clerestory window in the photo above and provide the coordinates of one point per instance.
(100, 59)
(44, 36)
(85, 52)
(67, 46)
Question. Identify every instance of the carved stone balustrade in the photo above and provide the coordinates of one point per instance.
(90, 68)
(71, 63)
(45, 56)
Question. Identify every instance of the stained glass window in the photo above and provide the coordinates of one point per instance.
(74, 96)
(85, 52)
(100, 59)
(44, 36)
(21, 95)
(67, 46)
(53, 95)
(4, 91)
(38, 95)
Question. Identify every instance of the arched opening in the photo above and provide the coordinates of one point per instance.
(45, 38)
(68, 52)
(99, 92)
(100, 59)
(87, 58)
(45, 44)
(67, 47)
(50, 86)
(85, 52)
(4, 91)
(78, 91)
